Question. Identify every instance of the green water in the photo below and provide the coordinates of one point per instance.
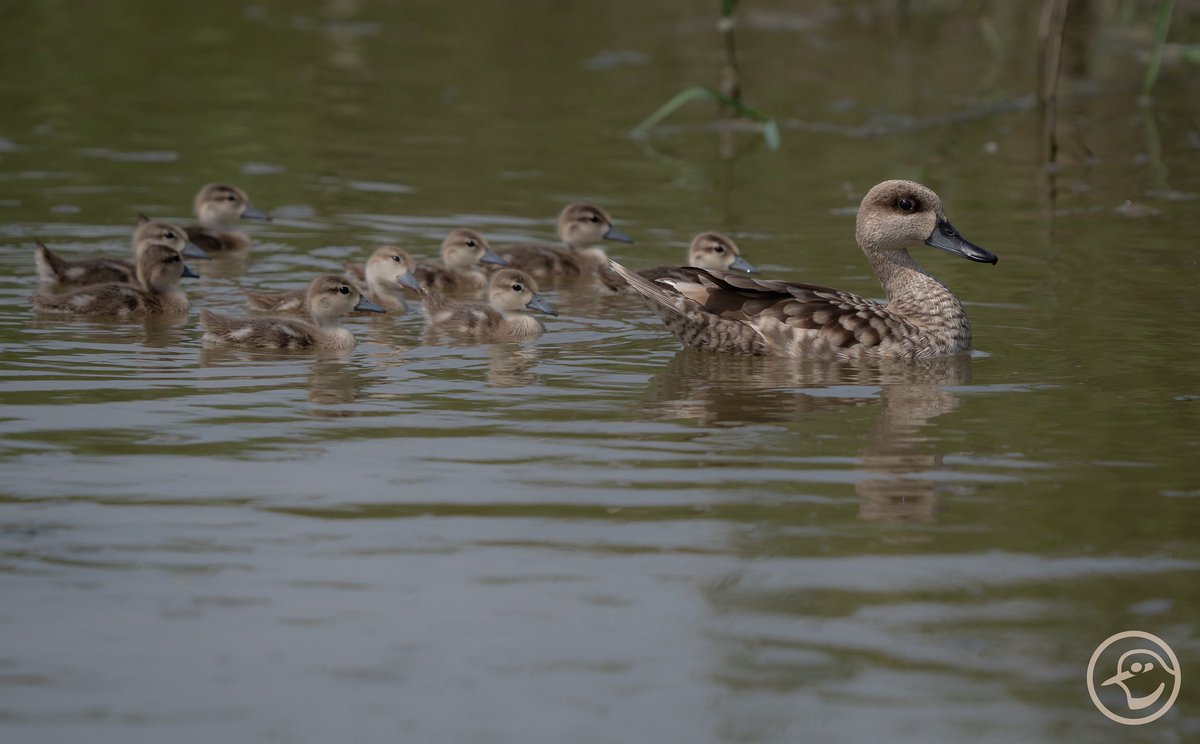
(596, 537)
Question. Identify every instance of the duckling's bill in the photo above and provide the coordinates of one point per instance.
(947, 238)
(409, 281)
(491, 257)
(615, 234)
(539, 303)
(741, 264)
(188, 273)
(366, 305)
(191, 250)
(254, 213)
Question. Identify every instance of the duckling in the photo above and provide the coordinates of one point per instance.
(708, 250)
(156, 293)
(580, 226)
(458, 272)
(328, 299)
(509, 292)
(922, 318)
(387, 271)
(217, 206)
(54, 270)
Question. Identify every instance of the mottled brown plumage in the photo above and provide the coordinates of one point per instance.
(55, 271)
(708, 250)
(509, 292)
(580, 227)
(387, 272)
(156, 291)
(328, 298)
(218, 205)
(722, 311)
(459, 272)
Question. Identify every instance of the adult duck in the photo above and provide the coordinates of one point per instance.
(921, 318)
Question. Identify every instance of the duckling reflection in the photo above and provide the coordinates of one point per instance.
(727, 390)
(335, 380)
(512, 365)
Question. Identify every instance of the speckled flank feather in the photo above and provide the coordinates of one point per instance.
(501, 320)
(723, 311)
(155, 293)
(580, 228)
(327, 299)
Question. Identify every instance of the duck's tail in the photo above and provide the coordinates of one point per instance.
(50, 266)
(659, 296)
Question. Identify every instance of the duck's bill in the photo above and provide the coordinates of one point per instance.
(191, 250)
(947, 238)
(408, 280)
(366, 305)
(254, 213)
(188, 273)
(741, 264)
(1117, 678)
(491, 257)
(615, 234)
(539, 303)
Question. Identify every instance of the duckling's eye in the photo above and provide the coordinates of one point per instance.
(396, 259)
(517, 287)
(471, 244)
(169, 235)
(344, 289)
(719, 248)
(594, 218)
(174, 259)
(905, 205)
(231, 197)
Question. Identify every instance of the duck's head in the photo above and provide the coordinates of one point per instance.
(392, 267)
(331, 297)
(584, 225)
(160, 267)
(715, 251)
(222, 203)
(464, 248)
(512, 290)
(896, 215)
(150, 231)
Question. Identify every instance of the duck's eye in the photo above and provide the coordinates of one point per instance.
(517, 287)
(231, 197)
(169, 235)
(396, 259)
(174, 259)
(719, 248)
(594, 218)
(344, 289)
(471, 243)
(905, 205)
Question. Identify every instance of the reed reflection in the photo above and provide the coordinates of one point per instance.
(721, 390)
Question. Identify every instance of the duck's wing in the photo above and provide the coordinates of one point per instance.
(54, 269)
(119, 300)
(288, 303)
(467, 319)
(436, 277)
(259, 333)
(539, 260)
(765, 315)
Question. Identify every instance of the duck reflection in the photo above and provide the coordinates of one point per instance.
(728, 391)
(512, 365)
(332, 377)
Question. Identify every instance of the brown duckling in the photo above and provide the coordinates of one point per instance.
(580, 227)
(722, 311)
(459, 272)
(509, 292)
(218, 206)
(387, 271)
(708, 250)
(328, 298)
(54, 270)
(156, 293)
